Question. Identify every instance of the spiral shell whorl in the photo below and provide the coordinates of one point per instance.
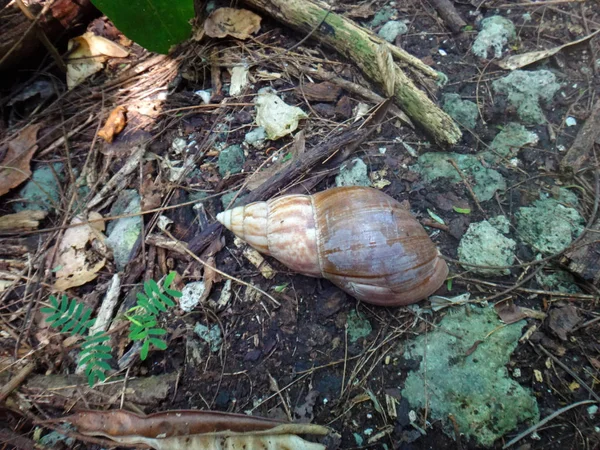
(248, 223)
(359, 238)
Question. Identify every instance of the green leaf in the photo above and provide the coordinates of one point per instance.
(138, 335)
(158, 343)
(173, 293)
(435, 217)
(154, 24)
(449, 284)
(169, 279)
(144, 350)
(64, 303)
(166, 300)
(280, 288)
(461, 210)
(147, 306)
(157, 332)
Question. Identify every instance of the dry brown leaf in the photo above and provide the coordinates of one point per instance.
(563, 320)
(21, 221)
(114, 124)
(14, 168)
(89, 54)
(525, 59)
(239, 23)
(186, 429)
(151, 190)
(320, 92)
(508, 312)
(81, 253)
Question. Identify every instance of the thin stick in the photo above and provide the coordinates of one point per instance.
(226, 275)
(543, 422)
(468, 185)
(570, 372)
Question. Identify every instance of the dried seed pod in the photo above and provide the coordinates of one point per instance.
(358, 238)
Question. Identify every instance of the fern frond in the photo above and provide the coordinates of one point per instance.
(157, 299)
(68, 316)
(93, 355)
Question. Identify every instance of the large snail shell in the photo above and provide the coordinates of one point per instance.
(358, 238)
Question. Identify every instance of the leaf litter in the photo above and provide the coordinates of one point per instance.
(323, 371)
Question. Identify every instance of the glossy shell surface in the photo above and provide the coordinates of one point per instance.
(358, 238)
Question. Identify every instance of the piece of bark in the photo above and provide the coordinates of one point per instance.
(319, 92)
(584, 260)
(71, 390)
(579, 152)
(365, 50)
(449, 14)
(19, 41)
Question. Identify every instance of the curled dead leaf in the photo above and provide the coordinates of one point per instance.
(88, 55)
(180, 429)
(114, 124)
(14, 168)
(81, 253)
(239, 23)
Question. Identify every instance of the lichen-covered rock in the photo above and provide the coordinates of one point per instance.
(484, 244)
(42, 191)
(231, 160)
(353, 173)
(496, 32)
(463, 111)
(525, 89)
(507, 142)
(468, 381)
(391, 30)
(548, 226)
(484, 181)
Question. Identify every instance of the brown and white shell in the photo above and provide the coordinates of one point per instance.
(359, 238)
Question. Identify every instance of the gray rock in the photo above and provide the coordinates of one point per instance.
(256, 138)
(391, 30)
(231, 160)
(525, 90)
(353, 173)
(496, 32)
(484, 244)
(465, 112)
(124, 232)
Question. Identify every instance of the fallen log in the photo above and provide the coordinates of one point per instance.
(365, 50)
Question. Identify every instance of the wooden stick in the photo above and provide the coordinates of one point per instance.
(365, 49)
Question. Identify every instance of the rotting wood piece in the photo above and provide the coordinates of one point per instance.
(584, 260)
(449, 14)
(16, 29)
(361, 47)
(579, 152)
(62, 391)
